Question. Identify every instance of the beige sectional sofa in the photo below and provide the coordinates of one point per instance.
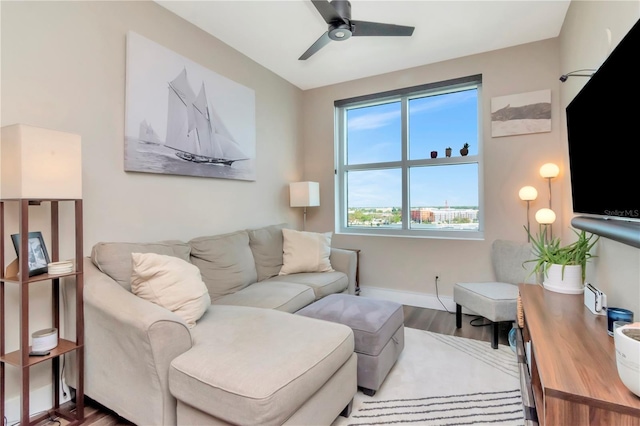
(247, 360)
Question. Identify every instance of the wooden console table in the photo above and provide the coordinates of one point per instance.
(573, 371)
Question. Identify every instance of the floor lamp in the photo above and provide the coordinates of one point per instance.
(528, 194)
(546, 217)
(304, 194)
(40, 163)
(549, 171)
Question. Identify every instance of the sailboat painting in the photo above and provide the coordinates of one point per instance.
(184, 119)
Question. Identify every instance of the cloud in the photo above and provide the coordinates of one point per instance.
(375, 188)
(430, 186)
(373, 121)
(376, 152)
(376, 120)
(440, 103)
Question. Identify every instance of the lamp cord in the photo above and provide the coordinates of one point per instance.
(438, 296)
(474, 320)
(584, 69)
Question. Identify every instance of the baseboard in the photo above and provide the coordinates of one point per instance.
(39, 401)
(411, 298)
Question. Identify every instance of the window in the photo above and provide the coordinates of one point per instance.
(388, 180)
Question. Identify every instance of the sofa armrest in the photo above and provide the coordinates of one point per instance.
(345, 261)
(129, 345)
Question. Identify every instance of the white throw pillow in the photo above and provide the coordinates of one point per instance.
(172, 283)
(305, 252)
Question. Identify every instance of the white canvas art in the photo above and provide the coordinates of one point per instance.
(521, 114)
(184, 119)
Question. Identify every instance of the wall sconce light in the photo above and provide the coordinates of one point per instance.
(304, 194)
(528, 194)
(564, 77)
(546, 217)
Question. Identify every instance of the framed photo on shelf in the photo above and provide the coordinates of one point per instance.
(38, 256)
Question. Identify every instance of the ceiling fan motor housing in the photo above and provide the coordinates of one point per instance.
(341, 30)
(343, 7)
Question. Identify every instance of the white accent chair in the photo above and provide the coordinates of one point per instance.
(497, 300)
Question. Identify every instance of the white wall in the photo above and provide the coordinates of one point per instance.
(411, 264)
(584, 44)
(63, 67)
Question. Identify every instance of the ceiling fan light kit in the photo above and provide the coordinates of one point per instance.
(340, 33)
(337, 15)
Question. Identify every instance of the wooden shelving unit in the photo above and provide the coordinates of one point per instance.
(20, 358)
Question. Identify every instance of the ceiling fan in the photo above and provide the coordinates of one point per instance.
(337, 14)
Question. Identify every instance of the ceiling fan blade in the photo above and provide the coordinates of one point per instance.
(319, 44)
(364, 28)
(328, 12)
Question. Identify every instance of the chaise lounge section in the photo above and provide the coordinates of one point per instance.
(276, 374)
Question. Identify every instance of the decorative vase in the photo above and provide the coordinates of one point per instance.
(569, 283)
(434, 154)
(464, 151)
(447, 152)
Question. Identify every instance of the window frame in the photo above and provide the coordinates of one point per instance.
(404, 164)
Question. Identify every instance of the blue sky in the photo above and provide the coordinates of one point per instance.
(435, 122)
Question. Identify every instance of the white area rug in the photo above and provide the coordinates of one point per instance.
(444, 380)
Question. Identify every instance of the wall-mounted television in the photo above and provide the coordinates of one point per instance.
(603, 130)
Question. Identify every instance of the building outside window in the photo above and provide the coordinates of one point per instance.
(394, 174)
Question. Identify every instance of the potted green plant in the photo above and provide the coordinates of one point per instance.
(447, 151)
(562, 267)
(465, 149)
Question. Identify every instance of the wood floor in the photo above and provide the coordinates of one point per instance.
(424, 319)
(445, 323)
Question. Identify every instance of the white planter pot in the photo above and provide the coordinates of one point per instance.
(570, 283)
(628, 356)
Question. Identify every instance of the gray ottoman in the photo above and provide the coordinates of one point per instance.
(378, 329)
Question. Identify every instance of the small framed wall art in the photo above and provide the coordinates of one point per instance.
(37, 251)
(521, 114)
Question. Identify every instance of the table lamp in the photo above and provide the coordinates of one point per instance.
(304, 194)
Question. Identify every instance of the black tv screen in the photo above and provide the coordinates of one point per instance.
(603, 130)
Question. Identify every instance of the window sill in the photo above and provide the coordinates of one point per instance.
(397, 233)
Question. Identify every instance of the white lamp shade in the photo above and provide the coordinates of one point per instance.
(304, 194)
(37, 163)
(549, 170)
(528, 193)
(545, 216)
